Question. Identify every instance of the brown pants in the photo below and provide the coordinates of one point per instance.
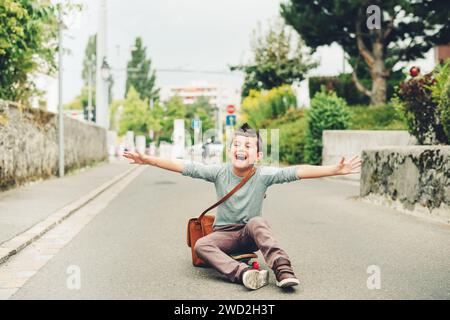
(215, 248)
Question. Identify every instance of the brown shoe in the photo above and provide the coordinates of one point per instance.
(284, 273)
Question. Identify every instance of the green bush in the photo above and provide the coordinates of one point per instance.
(292, 132)
(327, 112)
(260, 108)
(440, 93)
(421, 111)
(384, 117)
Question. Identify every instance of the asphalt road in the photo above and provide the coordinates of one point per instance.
(135, 248)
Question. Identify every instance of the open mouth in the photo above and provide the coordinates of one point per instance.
(240, 157)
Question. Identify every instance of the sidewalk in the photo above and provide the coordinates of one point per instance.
(24, 207)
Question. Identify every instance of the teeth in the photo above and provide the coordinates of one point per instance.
(240, 157)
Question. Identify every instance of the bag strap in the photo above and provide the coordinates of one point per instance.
(229, 194)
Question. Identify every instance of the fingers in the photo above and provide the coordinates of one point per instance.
(355, 162)
(130, 155)
(356, 166)
(352, 165)
(133, 156)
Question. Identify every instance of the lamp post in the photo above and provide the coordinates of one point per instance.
(101, 110)
(106, 73)
(60, 92)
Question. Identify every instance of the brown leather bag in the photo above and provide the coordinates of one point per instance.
(203, 225)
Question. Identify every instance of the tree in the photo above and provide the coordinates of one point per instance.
(277, 59)
(90, 70)
(139, 73)
(28, 35)
(173, 108)
(157, 118)
(88, 74)
(407, 30)
(203, 110)
(89, 61)
(136, 114)
(260, 108)
(82, 102)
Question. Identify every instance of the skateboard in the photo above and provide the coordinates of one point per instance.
(247, 258)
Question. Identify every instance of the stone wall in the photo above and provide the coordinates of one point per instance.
(414, 179)
(347, 143)
(29, 144)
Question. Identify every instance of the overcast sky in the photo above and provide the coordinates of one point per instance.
(194, 34)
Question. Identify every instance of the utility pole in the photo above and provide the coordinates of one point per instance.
(219, 114)
(101, 85)
(60, 92)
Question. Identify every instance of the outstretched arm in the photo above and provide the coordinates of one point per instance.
(308, 171)
(139, 158)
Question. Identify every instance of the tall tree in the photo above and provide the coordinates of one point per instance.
(90, 70)
(203, 110)
(89, 61)
(277, 59)
(406, 30)
(136, 115)
(28, 43)
(88, 74)
(139, 73)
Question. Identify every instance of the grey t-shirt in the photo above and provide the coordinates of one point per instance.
(246, 203)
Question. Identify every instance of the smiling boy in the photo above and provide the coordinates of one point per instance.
(238, 226)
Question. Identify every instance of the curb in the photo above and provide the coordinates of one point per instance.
(24, 239)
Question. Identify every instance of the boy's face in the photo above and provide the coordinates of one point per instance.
(244, 151)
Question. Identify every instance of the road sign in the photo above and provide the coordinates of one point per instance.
(231, 109)
(231, 120)
(195, 124)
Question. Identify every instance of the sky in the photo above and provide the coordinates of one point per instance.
(194, 35)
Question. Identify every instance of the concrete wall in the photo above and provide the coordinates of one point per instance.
(347, 143)
(29, 144)
(414, 179)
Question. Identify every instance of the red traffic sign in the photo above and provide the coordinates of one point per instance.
(231, 109)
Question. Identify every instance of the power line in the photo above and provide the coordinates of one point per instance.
(221, 72)
(177, 70)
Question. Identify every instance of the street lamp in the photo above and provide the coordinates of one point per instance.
(103, 75)
(105, 70)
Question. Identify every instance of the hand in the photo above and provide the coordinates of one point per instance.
(351, 166)
(137, 157)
